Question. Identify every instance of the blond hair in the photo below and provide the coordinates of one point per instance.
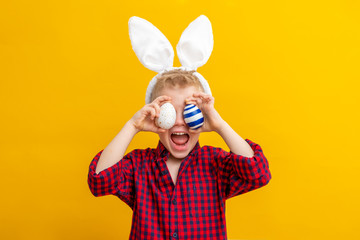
(174, 78)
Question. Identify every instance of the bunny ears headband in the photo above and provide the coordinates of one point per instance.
(155, 52)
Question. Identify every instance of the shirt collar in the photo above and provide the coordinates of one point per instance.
(161, 150)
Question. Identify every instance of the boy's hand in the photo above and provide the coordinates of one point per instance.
(144, 119)
(212, 119)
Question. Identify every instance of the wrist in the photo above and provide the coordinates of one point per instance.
(131, 125)
(221, 127)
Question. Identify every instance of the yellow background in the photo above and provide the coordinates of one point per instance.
(284, 74)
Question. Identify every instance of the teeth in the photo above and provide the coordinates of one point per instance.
(179, 133)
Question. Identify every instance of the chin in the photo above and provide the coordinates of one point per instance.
(179, 155)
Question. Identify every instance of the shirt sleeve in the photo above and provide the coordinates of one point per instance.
(239, 174)
(116, 180)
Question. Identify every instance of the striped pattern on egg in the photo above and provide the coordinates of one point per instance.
(193, 116)
(167, 116)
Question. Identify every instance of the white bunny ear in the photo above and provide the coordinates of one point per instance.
(196, 43)
(150, 45)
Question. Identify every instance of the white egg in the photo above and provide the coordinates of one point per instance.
(167, 116)
(193, 116)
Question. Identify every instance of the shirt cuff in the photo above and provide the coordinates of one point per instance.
(252, 168)
(104, 182)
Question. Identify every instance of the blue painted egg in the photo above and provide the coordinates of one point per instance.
(193, 116)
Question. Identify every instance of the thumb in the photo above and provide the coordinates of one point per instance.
(199, 130)
(159, 130)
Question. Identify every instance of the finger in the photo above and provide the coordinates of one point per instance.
(153, 113)
(160, 130)
(194, 97)
(190, 100)
(161, 99)
(209, 99)
(200, 94)
(198, 101)
(198, 98)
(150, 111)
(142, 117)
(157, 108)
(199, 130)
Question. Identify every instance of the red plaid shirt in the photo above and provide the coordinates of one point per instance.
(194, 208)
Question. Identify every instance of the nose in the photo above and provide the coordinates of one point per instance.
(180, 118)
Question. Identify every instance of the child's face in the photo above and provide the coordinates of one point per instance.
(179, 146)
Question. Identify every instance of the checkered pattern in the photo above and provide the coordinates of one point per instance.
(194, 208)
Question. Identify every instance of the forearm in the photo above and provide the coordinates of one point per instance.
(116, 149)
(236, 143)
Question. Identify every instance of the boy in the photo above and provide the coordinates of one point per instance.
(178, 190)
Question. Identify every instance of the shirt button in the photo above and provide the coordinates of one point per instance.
(175, 235)
(163, 173)
(174, 201)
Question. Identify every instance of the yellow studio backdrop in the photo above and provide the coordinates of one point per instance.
(284, 74)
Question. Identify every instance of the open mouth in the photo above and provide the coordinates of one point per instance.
(180, 138)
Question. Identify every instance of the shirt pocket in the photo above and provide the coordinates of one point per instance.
(203, 198)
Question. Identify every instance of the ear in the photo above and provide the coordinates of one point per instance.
(151, 47)
(196, 43)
